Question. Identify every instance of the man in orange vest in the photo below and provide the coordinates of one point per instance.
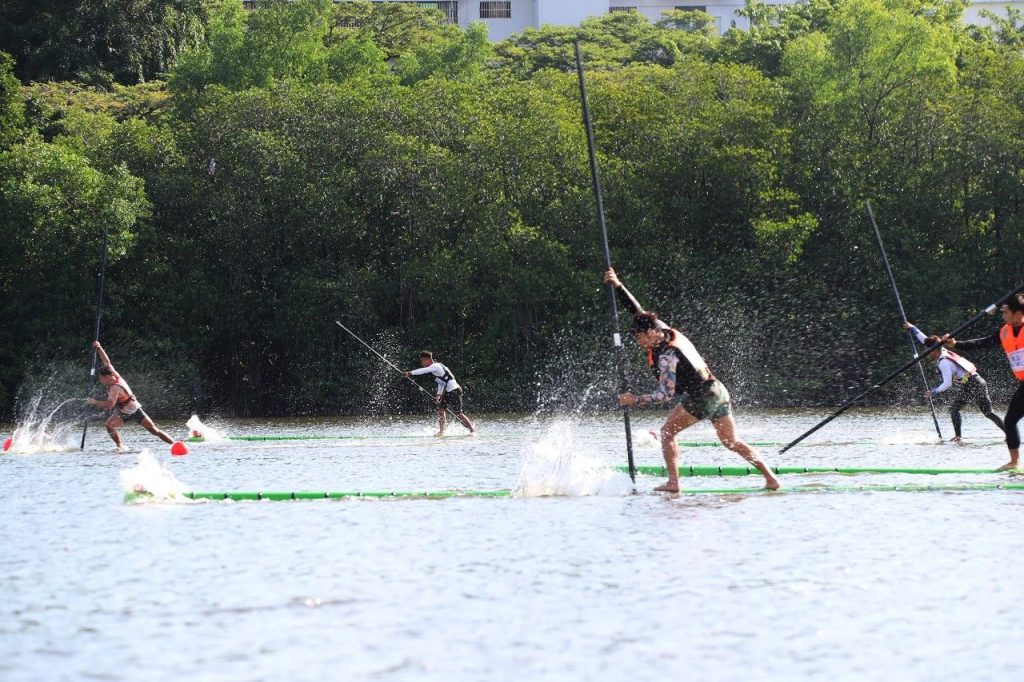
(956, 370)
(1011, 338)
(682, 375)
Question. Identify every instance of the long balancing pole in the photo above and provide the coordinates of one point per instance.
(96, 329)
(390, 364)
(990, 310)
(903, 315)
(599, 203)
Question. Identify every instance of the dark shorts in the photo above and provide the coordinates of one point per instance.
(452, 400)
(714, 403)
(136, 416)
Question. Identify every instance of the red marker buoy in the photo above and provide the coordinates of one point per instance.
(8, 443)
(178, 449)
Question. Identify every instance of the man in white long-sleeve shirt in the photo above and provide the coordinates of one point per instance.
(449, 393)
(961, 372)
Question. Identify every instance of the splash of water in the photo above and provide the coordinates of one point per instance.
(39, 430)
(555, 466)
(197, 429)
(151, 479)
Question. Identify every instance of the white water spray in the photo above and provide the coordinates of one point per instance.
(38, 432)
(555, 466)
(197, 429)
(149, 476)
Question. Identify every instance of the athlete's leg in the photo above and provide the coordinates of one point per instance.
(678, 419)
(113, 424)
(441, 421)
(725, 427)
(465, 422)
(453, 401)
(1014, 415)
(150, 426)
(984, 403)
(959, 400)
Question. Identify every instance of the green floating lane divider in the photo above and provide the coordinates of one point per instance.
(317, 495)
(447, 494)
(197, 439)
(705, 470)
(880, 488)
(718, 444)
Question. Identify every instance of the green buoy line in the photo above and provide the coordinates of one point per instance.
(245, 496)
(718, 444)
(448, 494)
(705, 470)
(876, 488)
(256, 438)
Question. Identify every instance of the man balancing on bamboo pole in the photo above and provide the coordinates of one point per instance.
(957, 370)
(1011, 337)
(120, 396)
(679, 368)
(449, 393)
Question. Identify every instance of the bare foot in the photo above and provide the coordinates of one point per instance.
(772, 484)
(669, 487)
(1009, 466)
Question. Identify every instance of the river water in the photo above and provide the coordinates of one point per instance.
(593, 583)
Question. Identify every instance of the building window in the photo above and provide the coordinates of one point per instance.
(496, 10)
(622, 9)
(449, 9)
(690, 25)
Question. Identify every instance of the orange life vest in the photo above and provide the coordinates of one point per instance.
(1013, 345)
(126, 401)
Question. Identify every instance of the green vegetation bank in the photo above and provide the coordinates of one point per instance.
(266, 172)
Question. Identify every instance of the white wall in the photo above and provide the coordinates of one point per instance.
(972, 15)
(536, 13)
(569, 12)
(524, 16)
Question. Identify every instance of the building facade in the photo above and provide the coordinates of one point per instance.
(507, 17)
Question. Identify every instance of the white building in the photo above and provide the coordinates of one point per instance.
(506, 17)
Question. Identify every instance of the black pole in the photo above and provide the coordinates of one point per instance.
(392, 365)
(903, 315)
(599, 204)
(96, 330)
(990, 310)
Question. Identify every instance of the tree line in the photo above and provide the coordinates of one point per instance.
(265, 172)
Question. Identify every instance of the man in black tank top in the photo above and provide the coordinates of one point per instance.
(679, 368)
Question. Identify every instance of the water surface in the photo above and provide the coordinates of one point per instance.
(907, 586)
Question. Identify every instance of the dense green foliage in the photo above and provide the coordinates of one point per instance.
(311, 161)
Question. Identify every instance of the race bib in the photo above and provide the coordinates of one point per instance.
(1016, 360)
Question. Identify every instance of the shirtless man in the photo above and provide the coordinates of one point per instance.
(120, 396)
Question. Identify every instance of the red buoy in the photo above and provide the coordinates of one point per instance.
(178, 449)
(8, 443)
